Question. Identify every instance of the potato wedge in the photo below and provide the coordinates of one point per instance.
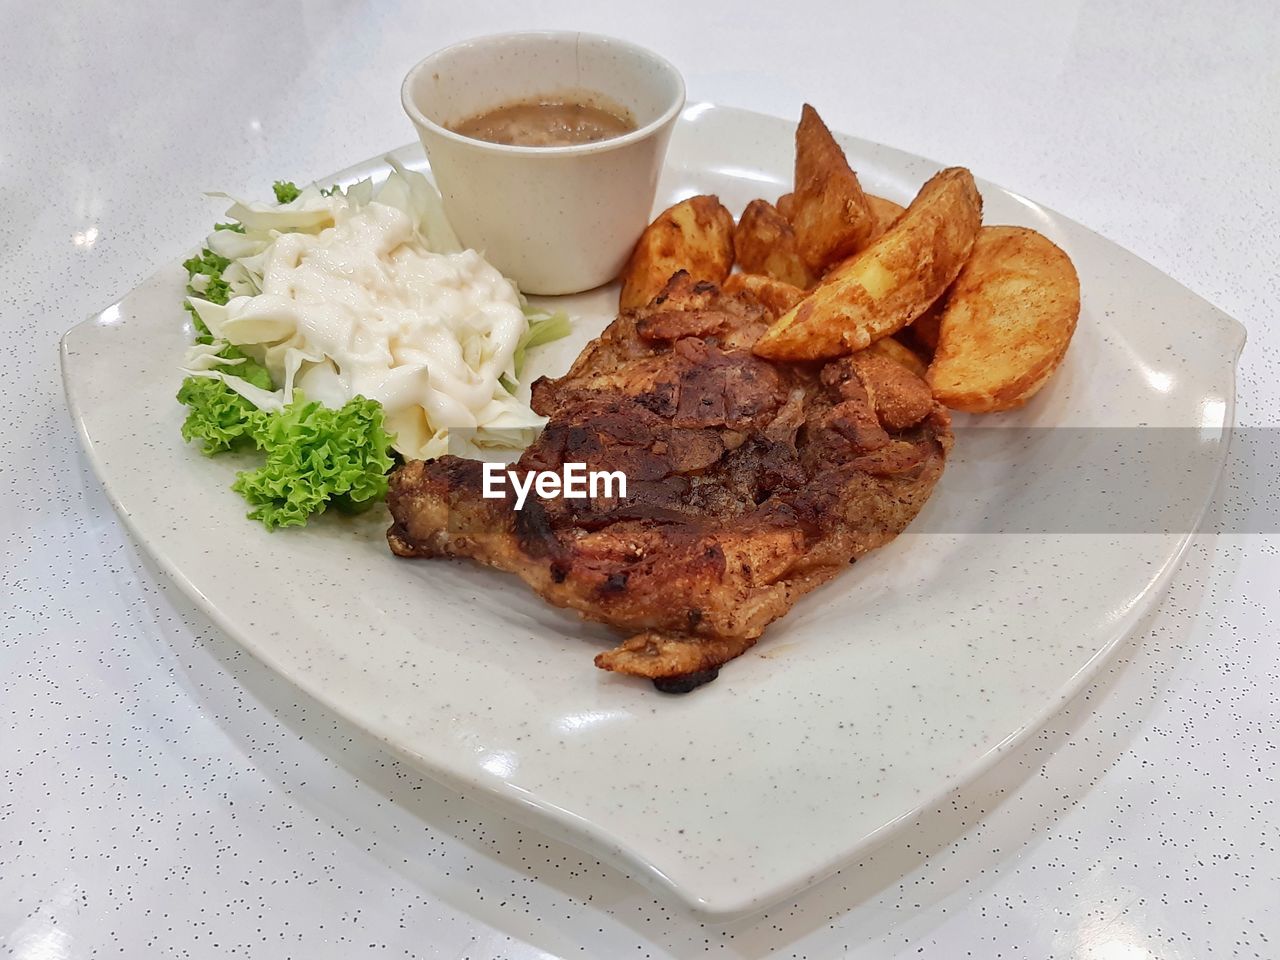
(694, 235)
(829, 211)
(765, 243)
(885, 212)
(776, 296)
(1006, 323)
(899, 353)
(880, 290)
(924, 328)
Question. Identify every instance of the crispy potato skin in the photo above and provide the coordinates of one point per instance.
(765, 243)
(885, 212)
(924, 328)
(828, 210)
(882, 289)
(776, 296)
(1006, 323)
(899, 353)
(694, 235)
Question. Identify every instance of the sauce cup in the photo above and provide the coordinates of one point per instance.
(554, 219)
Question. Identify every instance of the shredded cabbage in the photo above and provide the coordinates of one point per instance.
(544, 327)
(240, 395)
(367, 291)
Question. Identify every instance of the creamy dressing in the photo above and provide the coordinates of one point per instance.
(364, 308)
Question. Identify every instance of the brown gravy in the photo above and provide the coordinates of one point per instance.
(546, 122)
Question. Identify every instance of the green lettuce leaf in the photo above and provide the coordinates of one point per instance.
(218, 417)
(317, 456)
(207, 262)
(286, 191)
(202, 332)
(210, 265)
(314, 456)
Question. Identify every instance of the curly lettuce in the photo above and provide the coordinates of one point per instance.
(316, 457)
(218, 417)
(286, 191)
(313, 456)
(204, 279)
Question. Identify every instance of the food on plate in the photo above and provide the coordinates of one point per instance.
(900, 398)
(776, 296)
(313, 456)
(828, 211)
(900, 353)
(923, 330)
(1006, 322)
(750, 482)
(885, 212)
(765, 243)
(335, 325)
(763, 427)
(548, 122)
(694, 235)
(881, 289)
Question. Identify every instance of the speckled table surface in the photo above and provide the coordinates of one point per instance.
(164, 795)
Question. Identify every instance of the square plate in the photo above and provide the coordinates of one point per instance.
(877, 695)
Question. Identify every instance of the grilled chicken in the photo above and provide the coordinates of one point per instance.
(749, 482)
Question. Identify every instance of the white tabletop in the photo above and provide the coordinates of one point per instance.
(163, 795)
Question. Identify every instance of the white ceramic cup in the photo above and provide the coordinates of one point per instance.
(554, 219)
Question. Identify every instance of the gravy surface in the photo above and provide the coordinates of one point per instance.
(545, 122)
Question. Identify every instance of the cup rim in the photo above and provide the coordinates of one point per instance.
(574, 150)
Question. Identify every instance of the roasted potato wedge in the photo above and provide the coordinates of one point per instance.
(776, 296)
(1006, 323)
(882, 289)
(765, 243)
(924, 328)
(786, 205)
(885, 212)
(694, 235)
(899, 353)
(828, 211)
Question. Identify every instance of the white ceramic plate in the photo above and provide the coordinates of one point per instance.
(873, 698)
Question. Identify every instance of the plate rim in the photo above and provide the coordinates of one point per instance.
(508, 799)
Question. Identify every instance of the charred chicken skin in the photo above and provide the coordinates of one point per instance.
(749, 482)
